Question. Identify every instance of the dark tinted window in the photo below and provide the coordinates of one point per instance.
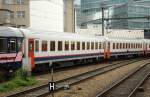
(3, 45)
(36, 45)
(88, 45)
(67, 45)
(83, 45)
(12, 45)
(44, 45)
(92, 45)
(72, 45)
(60, 45)
(78, 45)
(52, 45)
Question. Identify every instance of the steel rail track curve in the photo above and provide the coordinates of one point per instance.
(132, 94)
(125, 87)
(43, 90)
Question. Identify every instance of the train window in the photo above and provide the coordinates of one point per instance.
(92, 45)
(3, 45)
(78, 45)
(129, 45)
(117, 46)
(66, 45)
(72, 45)
(36, 45)
(139, 45)
(60, 45)
(12, 45)
(19, 40)
(100, 45)
(96, 45)
(52, 45)
(44, 45)
(135, 45)
(88, 45)
(83, 45)
(120, 45)
(113, 45)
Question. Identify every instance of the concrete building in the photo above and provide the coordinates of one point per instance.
(47, 15)
(14, 13)
(51, 15)
(69, 16)
(55, 15)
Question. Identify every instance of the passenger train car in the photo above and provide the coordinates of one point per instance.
(10, 48)
(31, 49)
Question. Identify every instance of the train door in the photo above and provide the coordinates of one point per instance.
(108, 50)
(31, 52)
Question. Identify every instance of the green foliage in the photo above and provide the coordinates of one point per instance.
(20, 80)
(21, 73)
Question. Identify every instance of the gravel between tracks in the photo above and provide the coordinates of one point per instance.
(146, 87)
(59, 75)
(92, 86)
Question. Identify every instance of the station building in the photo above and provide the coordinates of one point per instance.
(49, 15)
(14, 13)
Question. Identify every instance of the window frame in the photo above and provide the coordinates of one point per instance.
(83, 45)
(52, 46)
(78, 45)
(60, 45)
(73, 45)
(44, 49)
(36, 45)
(6, 44)
(66, 46)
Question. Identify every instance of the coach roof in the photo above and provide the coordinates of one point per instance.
(10, 32)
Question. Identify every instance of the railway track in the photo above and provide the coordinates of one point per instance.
(139, 86)
(42, 90)
(127, 86)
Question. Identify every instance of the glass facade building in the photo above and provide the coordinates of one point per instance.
(90, 7)
(127, 8)
(135, 9)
